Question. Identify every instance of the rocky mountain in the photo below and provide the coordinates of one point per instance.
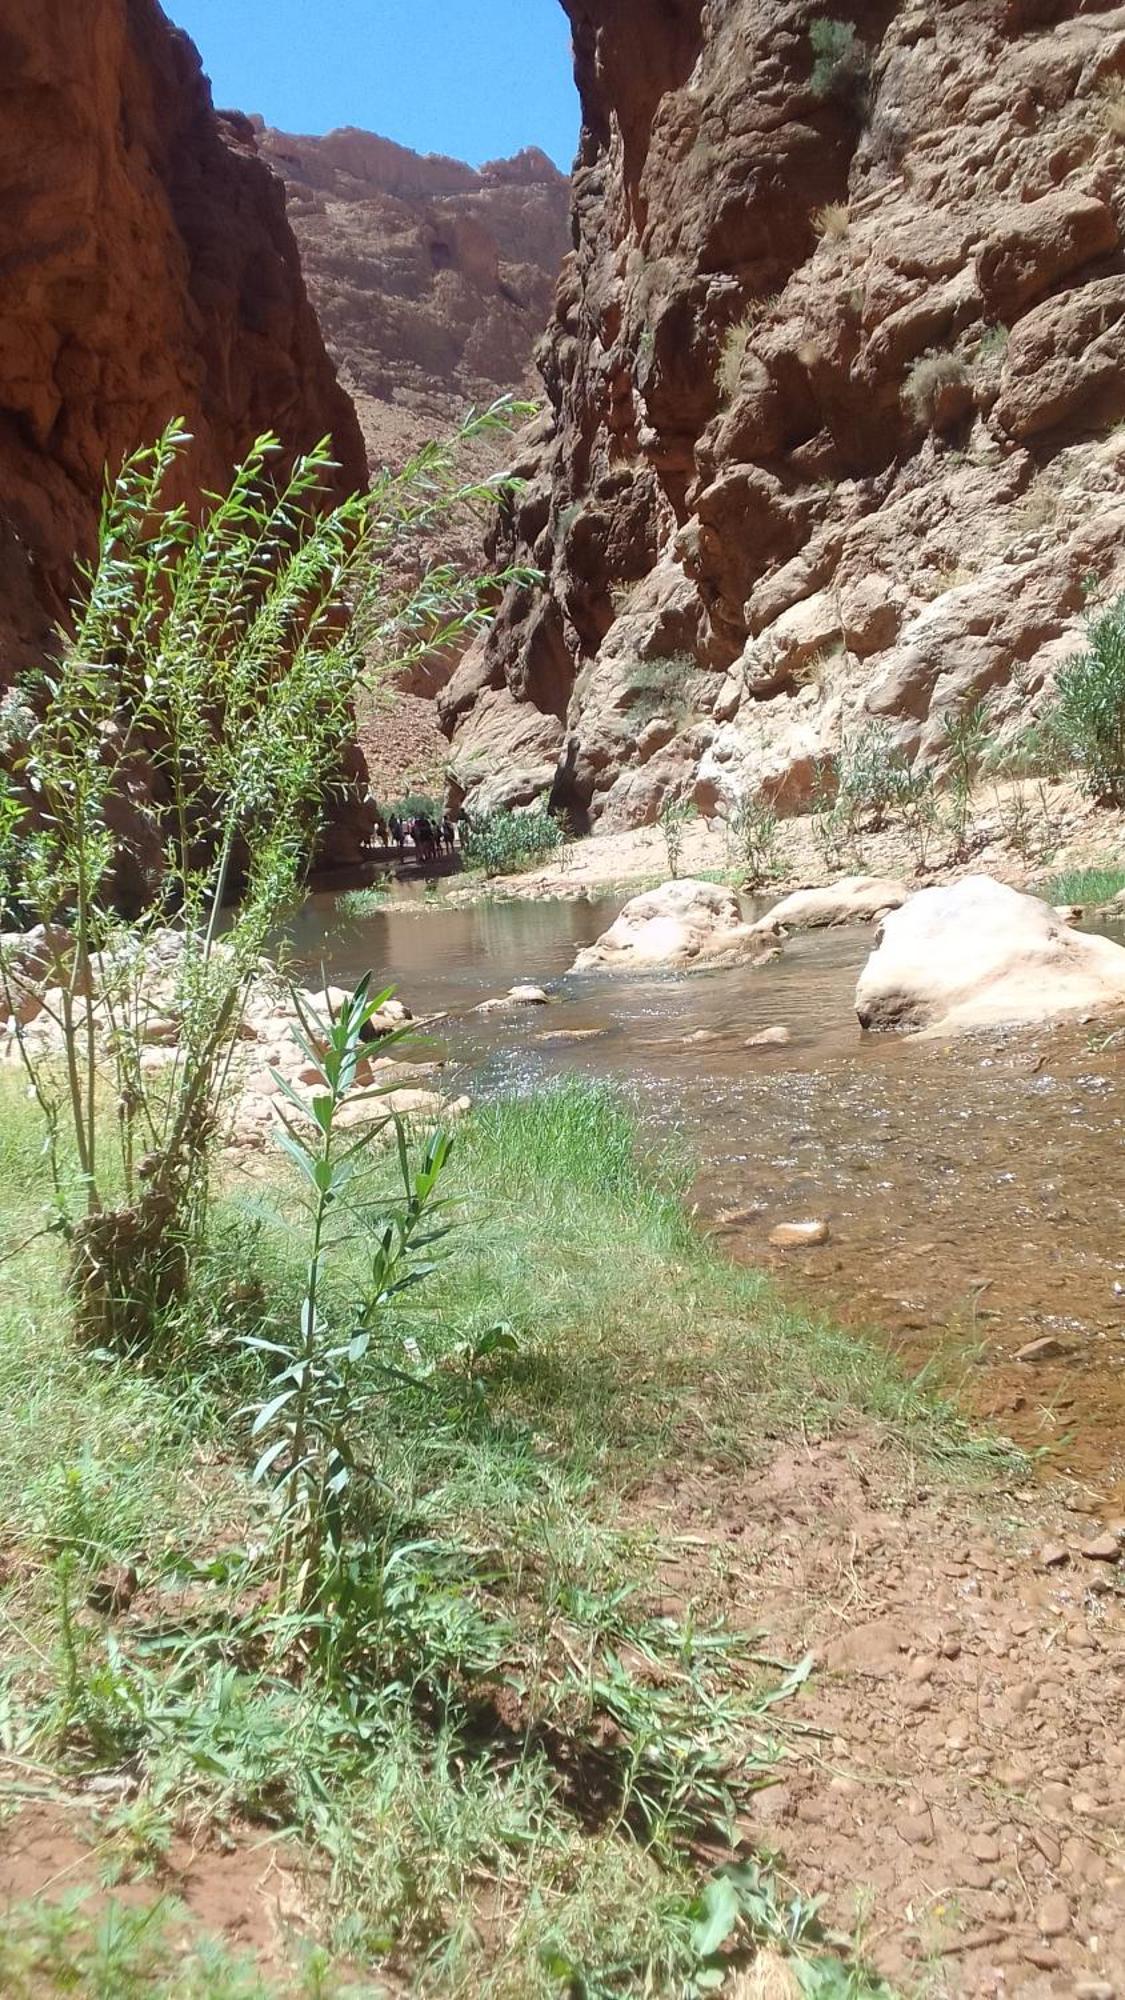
(432, 281)
(149, 272)
(836, 376)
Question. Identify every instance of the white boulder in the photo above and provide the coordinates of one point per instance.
(853, 899)
(679, 924)
(976, 954)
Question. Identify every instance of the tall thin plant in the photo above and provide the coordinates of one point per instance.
(206, 685)
(674, 818)
(315, 1413)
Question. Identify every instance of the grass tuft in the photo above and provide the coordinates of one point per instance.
(1088, 888)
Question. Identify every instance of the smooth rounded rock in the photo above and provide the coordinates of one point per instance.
(799, 1235)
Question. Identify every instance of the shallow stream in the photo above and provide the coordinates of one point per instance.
(973, 1189)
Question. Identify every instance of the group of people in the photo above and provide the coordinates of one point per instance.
(430, 838)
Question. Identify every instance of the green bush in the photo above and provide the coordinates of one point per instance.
(842, 65)
(418, 805)
(502, 842)
(673, 820)
(1088, 716)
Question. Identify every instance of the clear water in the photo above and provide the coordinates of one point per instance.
(973, 1190)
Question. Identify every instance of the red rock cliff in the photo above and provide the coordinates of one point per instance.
(834, 372)
(432, 281)
(148, 271)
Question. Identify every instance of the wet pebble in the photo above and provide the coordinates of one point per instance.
(799, 1235)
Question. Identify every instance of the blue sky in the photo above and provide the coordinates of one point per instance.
(477, 79)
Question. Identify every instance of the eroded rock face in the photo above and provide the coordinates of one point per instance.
(148, 272)
(432, 281)
(833, 375)
(977, 954)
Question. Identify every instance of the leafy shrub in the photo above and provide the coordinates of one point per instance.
(418, 805)
(1088, 714)
(873, 778)
(356, 904)
(224, 652)
(502, 842)
(931, 375)
(965, 740)
(842, 65)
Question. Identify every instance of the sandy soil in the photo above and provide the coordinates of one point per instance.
(956, 1788)
(1072, 833)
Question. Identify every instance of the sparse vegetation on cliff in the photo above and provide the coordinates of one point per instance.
(842, 64)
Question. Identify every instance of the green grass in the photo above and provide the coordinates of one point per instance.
(1087, 887)
(356, 904)
(492, 1769)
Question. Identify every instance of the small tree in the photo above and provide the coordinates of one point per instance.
(217, 660)
(751, 835)
(1088, 714)
(673, 820)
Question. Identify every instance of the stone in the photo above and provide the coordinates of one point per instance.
(1053, 1555)
(985, 1847)
(1052, 1918)
(799, 1235)
(1045, 1348)
(1104, 1548)
(853, 899)
(976, 954)
(681, 924)
(524, 995)
(777, 1037)
(1043, 1956)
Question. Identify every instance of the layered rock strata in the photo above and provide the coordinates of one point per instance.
(149, 272)
(834, 374)
(432, 281)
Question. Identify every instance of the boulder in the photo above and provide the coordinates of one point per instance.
(523, 995)
(853, 899)
(679, 924)
(976, 954)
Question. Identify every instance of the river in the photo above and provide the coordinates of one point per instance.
(973, 1188)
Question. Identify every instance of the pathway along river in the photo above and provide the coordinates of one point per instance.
(973, 1188)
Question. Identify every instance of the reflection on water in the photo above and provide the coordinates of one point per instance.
(973, 1189)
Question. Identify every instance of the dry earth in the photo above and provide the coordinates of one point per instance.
(1081, 835)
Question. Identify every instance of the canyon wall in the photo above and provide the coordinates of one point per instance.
(836, 375)
(148, 272)
(432, 281)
